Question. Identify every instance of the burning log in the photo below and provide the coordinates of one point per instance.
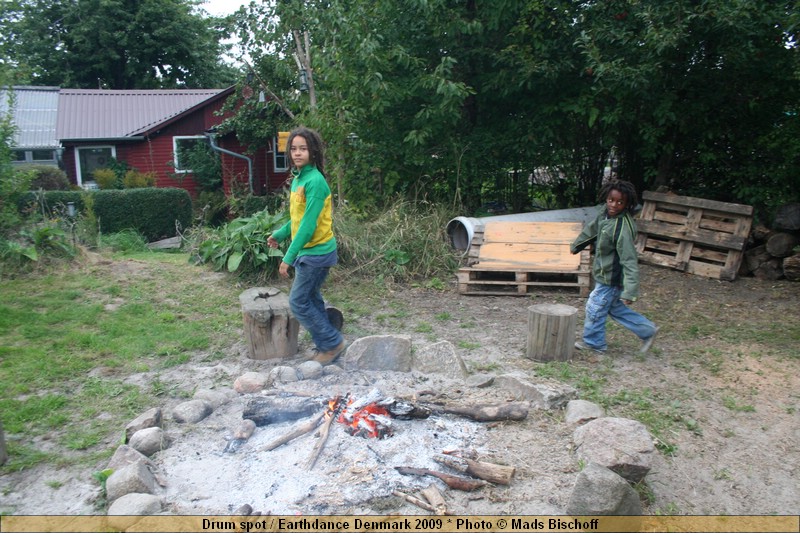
(488, 413)
(491, 472)
(454, 482)
(297, 430)
(330, 414)
(272, 410)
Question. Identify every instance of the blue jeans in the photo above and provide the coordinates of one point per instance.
(604, 301)
(308, 307)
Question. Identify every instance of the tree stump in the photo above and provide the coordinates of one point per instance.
(551, 332)
(269, 326)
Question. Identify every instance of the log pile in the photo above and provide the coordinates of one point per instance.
(774, 252)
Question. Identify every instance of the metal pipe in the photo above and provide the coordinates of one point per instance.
(217, 148)
(461, 230)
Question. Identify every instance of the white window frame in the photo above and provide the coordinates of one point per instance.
(78, 173)
(276, 154)
(175, 162)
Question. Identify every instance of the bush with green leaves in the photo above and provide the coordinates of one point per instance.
(241, 245)
(48, 178)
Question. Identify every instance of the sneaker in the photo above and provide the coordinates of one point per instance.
(648, 342)
(580, 345)
(326, 358)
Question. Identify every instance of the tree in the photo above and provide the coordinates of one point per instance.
(115, 44)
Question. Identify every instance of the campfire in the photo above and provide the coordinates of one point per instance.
(365, 417)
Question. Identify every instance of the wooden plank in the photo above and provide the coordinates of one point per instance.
(700, 236)
(702, 203)
(531, 232)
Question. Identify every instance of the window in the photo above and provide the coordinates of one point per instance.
(279, 158)
(43, 155)
(180, 147)
(89, 159)
(19, 155)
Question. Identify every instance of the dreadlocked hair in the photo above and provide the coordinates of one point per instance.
(625, 188)
(316, 149)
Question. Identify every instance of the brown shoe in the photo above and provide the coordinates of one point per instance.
(326, 358)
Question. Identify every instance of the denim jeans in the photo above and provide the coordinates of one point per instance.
(603, 302)
(308, 307)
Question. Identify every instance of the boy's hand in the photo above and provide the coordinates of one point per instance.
(271, 242)
(284, 270)
(627, 302)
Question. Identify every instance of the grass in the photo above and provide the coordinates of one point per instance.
(68, 338)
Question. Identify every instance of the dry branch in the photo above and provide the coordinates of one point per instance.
(487, 413)
(323, 436)
(297, 430)
(436, 500)
(491, 472)
(454, 482)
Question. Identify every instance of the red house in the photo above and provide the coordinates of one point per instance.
(146, 128)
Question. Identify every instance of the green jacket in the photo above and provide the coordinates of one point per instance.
(616, 262)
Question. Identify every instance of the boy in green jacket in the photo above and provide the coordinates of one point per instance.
(615, 269)
(313, 249)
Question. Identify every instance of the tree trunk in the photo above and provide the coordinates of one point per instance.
(791, 267)
(551, 332)
(781, 244)
(269, 327)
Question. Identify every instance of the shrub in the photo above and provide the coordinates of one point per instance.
(241, 245)
(138, 180)
(106, 179)
(48, 178)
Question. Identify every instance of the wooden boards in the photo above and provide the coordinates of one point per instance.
(694, 235)
(513, 258)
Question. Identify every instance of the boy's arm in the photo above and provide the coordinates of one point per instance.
(282, 233)
(586, 237)
(629, 260)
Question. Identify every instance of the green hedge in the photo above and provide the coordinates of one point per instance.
(151, 211)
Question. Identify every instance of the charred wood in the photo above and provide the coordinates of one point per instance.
(272, 410)
(491, 472)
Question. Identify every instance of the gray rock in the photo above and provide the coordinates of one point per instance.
(215, 398)
(125, 455)
(283, 374)
(251, 382)
(480, 381)
(132, 478)
(581, 411)
(622, 445)
(309, 370)
(192, 411)
(148, 419)
(440, 358)
(599, 491)
(379, 352)
(149, 441)
(135, 504)
(542, 395)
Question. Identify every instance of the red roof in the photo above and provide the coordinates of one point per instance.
(85, 114)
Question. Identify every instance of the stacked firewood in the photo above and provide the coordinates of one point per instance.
(774, 252)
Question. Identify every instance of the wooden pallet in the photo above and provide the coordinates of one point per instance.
(694, 235)
(515, 258)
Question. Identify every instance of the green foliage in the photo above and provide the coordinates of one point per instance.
(206, 166)
(407, 241)
(138, 180)
(241, 245)
(48, 178)
(165, 208)
(118, 45)
(124, 241)
(106, 179)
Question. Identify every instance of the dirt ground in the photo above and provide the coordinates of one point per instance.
(720, 390)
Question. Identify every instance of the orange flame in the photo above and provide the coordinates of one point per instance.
(363, 422)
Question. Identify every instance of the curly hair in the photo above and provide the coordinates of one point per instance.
(625, 188)
(316, 148)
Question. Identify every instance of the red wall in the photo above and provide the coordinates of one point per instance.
(154, 154)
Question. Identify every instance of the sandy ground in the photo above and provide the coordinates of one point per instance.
(727, 405)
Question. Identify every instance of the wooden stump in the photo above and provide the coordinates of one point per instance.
(269, 327)
(551, 332)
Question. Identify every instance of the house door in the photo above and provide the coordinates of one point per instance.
(89, 159)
